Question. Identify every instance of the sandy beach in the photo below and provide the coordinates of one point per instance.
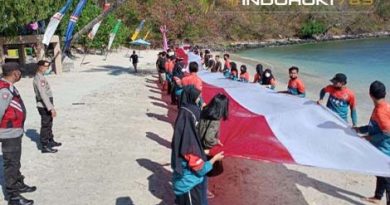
(116, 128)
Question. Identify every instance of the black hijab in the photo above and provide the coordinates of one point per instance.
(189, 96)
(185, 137)
(264, 79)
(177, 69)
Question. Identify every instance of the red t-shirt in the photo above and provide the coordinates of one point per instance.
(381, 115)
(295, 85)
(194, 80)
(245, 76)
(256, 79)
(169, 65)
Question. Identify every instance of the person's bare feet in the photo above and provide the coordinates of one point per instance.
(372, 200)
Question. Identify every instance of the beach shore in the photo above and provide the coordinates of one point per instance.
(116, 128)
(283, 41)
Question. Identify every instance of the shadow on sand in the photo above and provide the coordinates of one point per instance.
(159, 181)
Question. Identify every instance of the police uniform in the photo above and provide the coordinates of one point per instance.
(13, 115)
(44, 99)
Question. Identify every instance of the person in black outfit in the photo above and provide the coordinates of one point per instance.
(134, 60)
(160, 65)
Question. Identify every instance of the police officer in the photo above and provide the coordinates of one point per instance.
(44, 98)
(13, 115)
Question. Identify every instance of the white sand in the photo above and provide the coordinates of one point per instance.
(116, 141)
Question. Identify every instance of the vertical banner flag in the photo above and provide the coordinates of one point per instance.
(54, 22)
(72, 23)
(95, 28)
(139, 28)
(146, 36)
(164, 30)
(113, 34)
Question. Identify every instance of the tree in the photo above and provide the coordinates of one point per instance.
(90, 13)
(89, 26)
(14, 15)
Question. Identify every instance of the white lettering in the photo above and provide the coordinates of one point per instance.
(288, 2)
(256, 2)
(321, 2)
(295, 1)
(309, 2)
(281, 2)
(265, 3)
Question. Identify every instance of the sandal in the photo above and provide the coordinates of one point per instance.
(372, 200)
(210, 195)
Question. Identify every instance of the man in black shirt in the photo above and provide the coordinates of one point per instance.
(134, 59)
(160, 65)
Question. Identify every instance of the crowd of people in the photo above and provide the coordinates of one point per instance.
(197, 124)
(13, 116)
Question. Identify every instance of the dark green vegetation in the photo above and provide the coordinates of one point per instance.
(206, 20)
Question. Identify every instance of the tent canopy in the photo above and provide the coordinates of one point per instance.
(140, 42)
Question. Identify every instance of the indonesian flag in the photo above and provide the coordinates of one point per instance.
(269, 126)
(54, 22)
(95, 28)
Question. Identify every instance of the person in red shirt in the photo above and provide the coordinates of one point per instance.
(227, 65)
(377, 132)
(244, 75)
(192, 78)
(268, 80)
(295, 85)
(169, 65)
(259, 73)
(340, 98)
(233, 71)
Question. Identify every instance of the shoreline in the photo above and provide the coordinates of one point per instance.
(244, 45)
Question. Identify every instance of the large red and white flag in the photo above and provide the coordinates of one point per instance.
(269, 126)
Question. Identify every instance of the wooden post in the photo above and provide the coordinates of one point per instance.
(22, 54)
(40, 51)
(21, 41)
(57, 56)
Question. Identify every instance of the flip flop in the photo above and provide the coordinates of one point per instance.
(210, 195)
(372, 200)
